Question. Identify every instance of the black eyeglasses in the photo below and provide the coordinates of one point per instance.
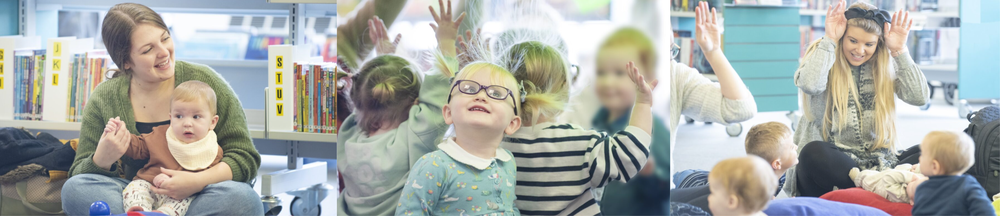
(470, 87)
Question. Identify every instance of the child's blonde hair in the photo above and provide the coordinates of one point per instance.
(498, 76)
(748, 178)
(544, 75)
(953, 150)
(195, 90)
(630, 36)
(384, 90)
(765, 140)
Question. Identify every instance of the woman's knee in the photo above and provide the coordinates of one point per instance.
(82, 183)
(238, 191)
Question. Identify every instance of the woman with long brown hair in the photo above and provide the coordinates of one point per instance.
(140, 43)
(850, 79)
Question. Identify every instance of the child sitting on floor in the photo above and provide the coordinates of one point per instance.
(470, 174)
(896, 185)
(945, 156)
(741, 186)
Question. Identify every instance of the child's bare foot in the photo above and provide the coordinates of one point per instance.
(135, 208)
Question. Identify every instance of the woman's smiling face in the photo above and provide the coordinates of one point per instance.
(859, 45)
(152, 54)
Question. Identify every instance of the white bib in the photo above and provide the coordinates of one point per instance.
(196, 155)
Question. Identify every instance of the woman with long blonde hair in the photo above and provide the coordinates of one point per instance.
(850, 78)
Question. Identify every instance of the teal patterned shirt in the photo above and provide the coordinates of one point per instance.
(451, 181)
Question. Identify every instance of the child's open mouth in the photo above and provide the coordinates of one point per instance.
(479, 109)
(188, 134)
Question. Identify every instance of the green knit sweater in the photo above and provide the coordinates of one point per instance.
(111, 99)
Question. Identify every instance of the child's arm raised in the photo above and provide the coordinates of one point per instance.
(642, 114)
(421, 190)
(620, 156)
(814, 69)
(446, 29)
(380, 36)
(709, 32)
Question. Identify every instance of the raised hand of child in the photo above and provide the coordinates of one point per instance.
(446, 29)
(707, 27)
(380, 36)
(465, 47)
(836, 22)
(644, 95)
(896, 32)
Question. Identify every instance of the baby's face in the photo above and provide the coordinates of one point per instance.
(191, 120)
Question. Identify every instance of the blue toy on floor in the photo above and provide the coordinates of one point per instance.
(101, 208)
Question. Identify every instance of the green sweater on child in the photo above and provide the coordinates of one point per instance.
(111, 99)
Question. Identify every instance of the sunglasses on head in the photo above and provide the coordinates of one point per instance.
(496, 92)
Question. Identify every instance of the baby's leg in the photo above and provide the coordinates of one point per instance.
(174, 207)
(138, 193)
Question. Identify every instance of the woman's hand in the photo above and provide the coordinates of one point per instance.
(896, 32)
(446, 29)
(644, 95)
(377, 32)
(708, 29)
(113, 144)
(180, 185)
(836, 22)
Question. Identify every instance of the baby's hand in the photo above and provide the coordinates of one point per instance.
(159, 179)
(644, 95)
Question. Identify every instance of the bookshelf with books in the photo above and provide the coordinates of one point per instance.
(301, 95)
(29, 74)
(315, 97)
(89, 69)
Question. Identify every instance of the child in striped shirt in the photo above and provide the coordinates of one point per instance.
(560, 164)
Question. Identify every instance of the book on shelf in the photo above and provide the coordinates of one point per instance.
(315, 86)
(89, 69)
(29, 73)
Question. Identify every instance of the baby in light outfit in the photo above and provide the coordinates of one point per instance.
(187, 143)
(896, 185)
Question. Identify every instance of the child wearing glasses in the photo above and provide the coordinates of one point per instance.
(470, 174)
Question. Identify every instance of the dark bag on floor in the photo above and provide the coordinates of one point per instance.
(984, 128)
